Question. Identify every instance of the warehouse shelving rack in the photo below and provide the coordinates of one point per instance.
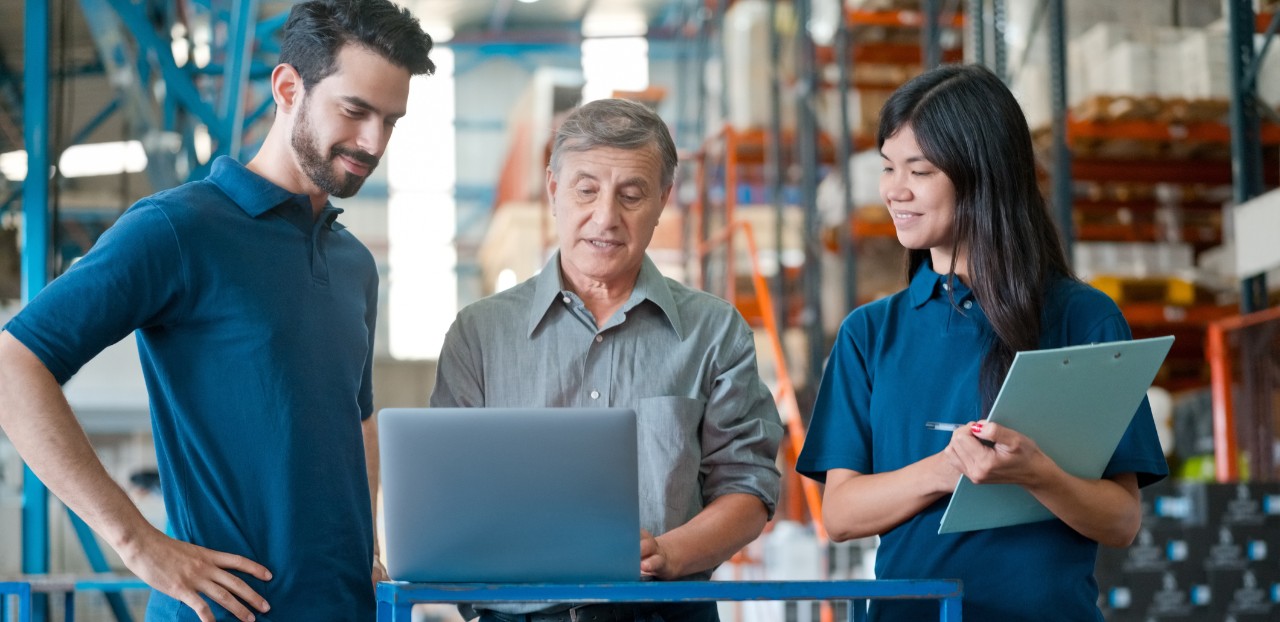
(1253, 165)
(730, 160)
(775, 156)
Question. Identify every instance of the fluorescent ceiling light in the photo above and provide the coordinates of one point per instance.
(84, 160)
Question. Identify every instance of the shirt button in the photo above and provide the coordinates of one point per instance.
(968, 304)
(565, 299)
(595, 395)
(946, 287)
(599, 338)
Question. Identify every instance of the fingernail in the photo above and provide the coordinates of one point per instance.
(976, 428)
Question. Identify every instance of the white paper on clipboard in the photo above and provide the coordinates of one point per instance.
(1076, 404)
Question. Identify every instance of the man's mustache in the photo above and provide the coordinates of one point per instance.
(363, 157)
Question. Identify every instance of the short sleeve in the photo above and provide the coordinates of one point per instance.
(839, 435)
(132, 278)
(371, 323)
(1139, 449)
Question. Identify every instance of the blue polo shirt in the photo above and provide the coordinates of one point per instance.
(255, 326)
(915, 357)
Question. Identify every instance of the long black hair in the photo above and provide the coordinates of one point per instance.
(969, 125)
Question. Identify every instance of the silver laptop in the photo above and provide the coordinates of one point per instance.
(512, 495)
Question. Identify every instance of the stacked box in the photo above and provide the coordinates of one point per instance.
(1086, 77)
(1204, 552)
(1204, 62)
(1166, 50)
(1131, 70)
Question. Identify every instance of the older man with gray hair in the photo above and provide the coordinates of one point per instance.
(602, 327)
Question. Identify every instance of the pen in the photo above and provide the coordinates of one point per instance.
(952, 427)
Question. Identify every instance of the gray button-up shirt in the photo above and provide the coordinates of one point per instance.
(682, 359)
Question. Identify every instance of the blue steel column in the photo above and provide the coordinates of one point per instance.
(1246, 146)
(35, 248)
(700, 130)
(999, 20)
(35, 259)
(978, 30)
(930, 41)
(775, 169)
(1061, 197)
(239, 50)
(845, 241)
(807, 156)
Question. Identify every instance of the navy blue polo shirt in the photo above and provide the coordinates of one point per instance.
(915, 357)
(255, 326)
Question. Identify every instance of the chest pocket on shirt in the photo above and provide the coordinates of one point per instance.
(670, 451)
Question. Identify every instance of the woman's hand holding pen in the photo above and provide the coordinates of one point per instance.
(1006, 457)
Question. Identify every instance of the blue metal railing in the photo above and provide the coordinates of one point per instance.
(396, 599)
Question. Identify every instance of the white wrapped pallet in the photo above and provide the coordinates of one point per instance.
(1269, 73)
(1087, 76)
(1204, 61)
(1131, 70)
(747, 62)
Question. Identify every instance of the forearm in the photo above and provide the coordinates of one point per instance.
(721, 529)
(372, 461)
(39, 422)
(857, 506)
(1108, 511)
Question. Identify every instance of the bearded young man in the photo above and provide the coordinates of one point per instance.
(254, 311)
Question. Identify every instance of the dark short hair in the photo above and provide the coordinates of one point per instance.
(618, 123)
(316, 31)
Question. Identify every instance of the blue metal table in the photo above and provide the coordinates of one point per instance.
(396, 599)
(67, 586)
(22, 592)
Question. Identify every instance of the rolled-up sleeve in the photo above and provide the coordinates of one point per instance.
(741, 430)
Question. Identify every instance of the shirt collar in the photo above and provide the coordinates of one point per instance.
(256, 195)
(926, 284)
(650, 285)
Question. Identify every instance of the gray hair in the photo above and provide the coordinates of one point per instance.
(617, 123)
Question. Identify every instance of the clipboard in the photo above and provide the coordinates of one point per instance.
(1075, 403)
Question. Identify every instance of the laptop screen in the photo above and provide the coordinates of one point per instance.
(510, 495)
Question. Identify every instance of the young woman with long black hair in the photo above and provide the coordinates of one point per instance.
(988, 278)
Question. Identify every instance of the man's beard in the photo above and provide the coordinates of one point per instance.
(320, 169)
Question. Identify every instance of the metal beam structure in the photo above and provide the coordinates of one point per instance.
(807, 157)
(1061, 197)
(35, 256)
(1246, 129)
(930, 41)
(845, 242)
(999, 53)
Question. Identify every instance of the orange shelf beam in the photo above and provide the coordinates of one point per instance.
(1149, 314)
(1157, 171)
(1200, 131)
(901, 18)
(886, 53)
(1262, 20)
